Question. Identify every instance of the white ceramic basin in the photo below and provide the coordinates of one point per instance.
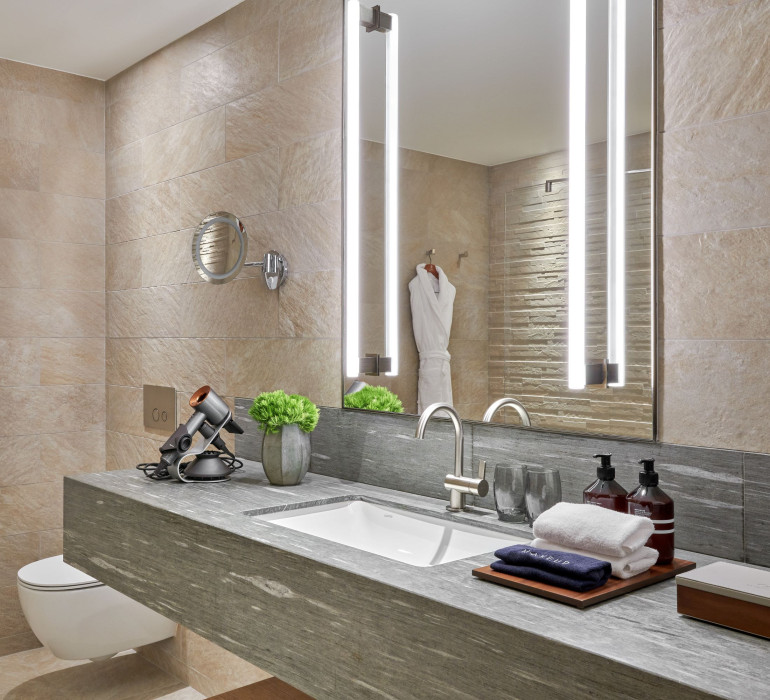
(412, 538)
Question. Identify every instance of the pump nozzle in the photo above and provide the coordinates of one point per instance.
(605, 471)
(648, 476)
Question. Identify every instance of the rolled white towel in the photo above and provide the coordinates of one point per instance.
(622, 567)
(593, 529)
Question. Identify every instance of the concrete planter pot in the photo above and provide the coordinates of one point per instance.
(286, 455)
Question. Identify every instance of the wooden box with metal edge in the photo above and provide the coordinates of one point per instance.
(727, 594)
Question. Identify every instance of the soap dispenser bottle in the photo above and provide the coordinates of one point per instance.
(650, 501)
(605, 491)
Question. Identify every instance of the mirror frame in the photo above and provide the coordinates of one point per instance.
(654, 254)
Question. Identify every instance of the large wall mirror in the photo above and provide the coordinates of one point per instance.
(483, 181)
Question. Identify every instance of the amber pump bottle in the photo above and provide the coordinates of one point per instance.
(650, 501)
(605, 491)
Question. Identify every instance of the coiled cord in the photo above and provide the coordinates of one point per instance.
(159, 472)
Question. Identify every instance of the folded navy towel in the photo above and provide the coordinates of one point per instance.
(563, 569)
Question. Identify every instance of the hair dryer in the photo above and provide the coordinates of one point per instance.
(211, 415)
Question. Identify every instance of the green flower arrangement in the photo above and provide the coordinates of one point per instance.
(375, 398)
(274, 409)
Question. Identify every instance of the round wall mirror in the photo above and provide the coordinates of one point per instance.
(219, 247)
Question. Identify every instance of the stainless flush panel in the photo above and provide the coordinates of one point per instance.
(159, 408)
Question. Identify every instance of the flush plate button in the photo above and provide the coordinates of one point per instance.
(159, 408)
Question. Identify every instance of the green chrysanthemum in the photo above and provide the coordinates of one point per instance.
(375, 398)
(274, 409)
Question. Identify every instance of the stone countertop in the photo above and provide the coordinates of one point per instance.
(641, 631)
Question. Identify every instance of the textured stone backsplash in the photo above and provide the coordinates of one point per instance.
(722, 497)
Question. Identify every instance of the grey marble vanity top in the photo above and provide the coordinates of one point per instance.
(641, 630)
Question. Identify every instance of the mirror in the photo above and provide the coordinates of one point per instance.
(483, 180)
(219, 247)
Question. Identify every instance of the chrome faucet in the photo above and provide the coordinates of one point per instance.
(502, 403)
(457, 484)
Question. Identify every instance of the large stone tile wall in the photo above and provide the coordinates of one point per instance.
(52, 322)
(715, 224)
(243, 115)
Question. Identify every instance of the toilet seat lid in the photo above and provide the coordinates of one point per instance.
(54, 573)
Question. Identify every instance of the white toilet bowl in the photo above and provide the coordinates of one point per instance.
(77, 617)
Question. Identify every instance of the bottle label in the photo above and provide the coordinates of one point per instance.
(641, 511)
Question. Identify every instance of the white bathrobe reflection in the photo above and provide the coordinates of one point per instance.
(432, 303)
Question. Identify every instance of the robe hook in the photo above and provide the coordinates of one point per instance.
(430, 253)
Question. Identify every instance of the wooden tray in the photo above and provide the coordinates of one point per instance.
(612, 589)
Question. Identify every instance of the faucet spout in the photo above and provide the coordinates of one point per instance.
(457, 484)
(513, 403)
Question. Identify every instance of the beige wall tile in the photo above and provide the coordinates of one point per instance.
(124, 361)
(245, 66)
(296, 365)
(735, 414)
(19, 165)
(242, 307)
(124, 411)
(220, 666)
(72, 453)
(19, 76)
(29, 508)
(123, 84)
(714, 177)
(21, 361)
(58, 405)
(51, 313)
(51, 217)
(311, 35)
(717, 66)
(671, 11)
(71, 171)
(75, 88)
(124, 265)
(198, 43)
(17, 551)
(167, 259)
(124, 170)
(22, 116)
(249, 16)
(12, 620)
(290, 111)
(30, 470)
(51, 543)
(190, 146)
(123, 122)
(184, 364)
(310, 170)
(71, 266)
(244, 187)
(144, 313)
(20, 265)
(725, 294)
(72, 361)
(142, 213)
(73, 124)
(126, 451)
(309, 236)
(310, 305)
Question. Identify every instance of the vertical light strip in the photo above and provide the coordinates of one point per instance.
(576, 275)
(616, 190)
(391, 196)
(352, 164)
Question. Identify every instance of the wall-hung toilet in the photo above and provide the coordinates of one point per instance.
(77, 617)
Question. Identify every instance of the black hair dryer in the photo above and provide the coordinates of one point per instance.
(211, 416)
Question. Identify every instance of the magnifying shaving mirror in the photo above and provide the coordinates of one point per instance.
(219, 249)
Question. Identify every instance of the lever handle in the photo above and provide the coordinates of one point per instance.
(482, 468)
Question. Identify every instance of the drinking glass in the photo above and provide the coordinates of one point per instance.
(543, 490)
(510, 492)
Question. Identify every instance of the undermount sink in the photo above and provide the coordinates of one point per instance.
(405, 536)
